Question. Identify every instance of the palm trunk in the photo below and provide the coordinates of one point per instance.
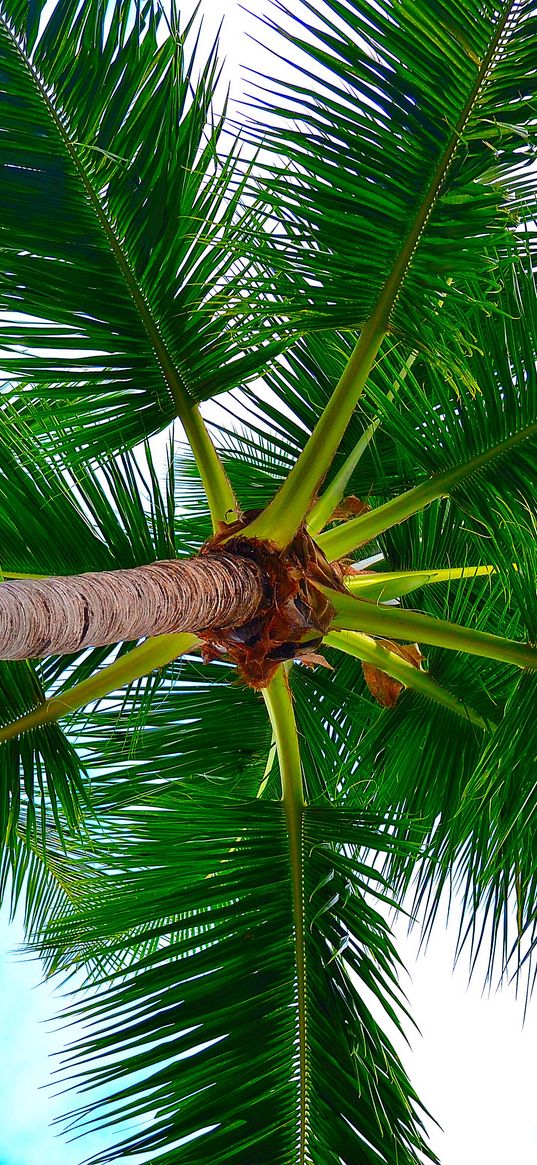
(59, 615)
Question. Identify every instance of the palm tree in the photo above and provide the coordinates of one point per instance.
(214, 843)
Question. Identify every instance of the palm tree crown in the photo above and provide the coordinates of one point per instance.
(207, 814)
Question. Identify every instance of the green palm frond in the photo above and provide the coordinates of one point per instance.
(120, 215)
(496, 862)
(40, 773)
(280, 411)
(406, 133)
(206, 1045)
(469, 443)
(513, 549)
(441, 422)
(402, 754)
(419, 288)
(476, 801)
(44, 882)
(438, 537)
(427, 421)
(133, 744)
(34, 491)
(402, 761)
(115, 513)
(480, 864)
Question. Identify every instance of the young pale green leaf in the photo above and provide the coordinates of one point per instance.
(387, 585)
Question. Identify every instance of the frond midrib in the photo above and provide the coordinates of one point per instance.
(279, 705)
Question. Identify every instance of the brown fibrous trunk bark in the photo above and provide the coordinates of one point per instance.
(59, 615)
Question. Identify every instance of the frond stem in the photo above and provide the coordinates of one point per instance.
(397, 623)
(334, 493)
(220, 495)
(285, 513)
(279, 704)
(147, 657)
(324, 507)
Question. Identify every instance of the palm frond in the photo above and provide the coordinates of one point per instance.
(44, 882)
(118, 213)
(439, 420)
(195, 1044)
(111, 514)
(469, 441)
(138, 740)
(476, 801)
(403, 129)
(491, 849)
(40, 772)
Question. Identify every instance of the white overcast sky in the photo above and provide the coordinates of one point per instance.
(474, 1063)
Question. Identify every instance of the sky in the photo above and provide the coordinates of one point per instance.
(29, 1042)
(473, 1064)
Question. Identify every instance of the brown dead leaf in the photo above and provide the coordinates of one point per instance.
(314, 659)
(351, 507)
(383, 687)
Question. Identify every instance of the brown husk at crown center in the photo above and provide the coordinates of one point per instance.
(294, 614)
